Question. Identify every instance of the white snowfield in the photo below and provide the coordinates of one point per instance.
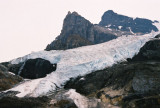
(79, 100)
(79, 61)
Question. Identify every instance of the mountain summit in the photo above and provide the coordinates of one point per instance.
(78, 31)
(74, 33)
(120, 22)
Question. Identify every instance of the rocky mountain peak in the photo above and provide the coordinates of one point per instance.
(69, 12)
(74, 18)
(75, 24)
(110, 12)
(78, 31)
(116, 21)
(73, 13)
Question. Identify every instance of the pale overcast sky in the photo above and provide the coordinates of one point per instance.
(29, 25)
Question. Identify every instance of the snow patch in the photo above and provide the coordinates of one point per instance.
(27, 87)
(109, 29)
(120, 27)
(79, 100)
(82, 79)
(134, 18)
(130, 30)
(11, 73)
(108, 25)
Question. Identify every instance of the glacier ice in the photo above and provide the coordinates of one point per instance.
(79, 61)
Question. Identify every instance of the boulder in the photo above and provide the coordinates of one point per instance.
(36, 68)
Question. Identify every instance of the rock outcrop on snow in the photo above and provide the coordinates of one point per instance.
(36, 68)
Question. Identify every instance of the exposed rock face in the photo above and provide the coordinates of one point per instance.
(72, 41)
(127, 84)
(7, 80)
(3, 68)
(77, 32)
(65, 104)
(139, 77)
(8, 94)
(28, 102)
(158, 36)
(14, 68)
(151, 51)
(120, 22)
(36, 68)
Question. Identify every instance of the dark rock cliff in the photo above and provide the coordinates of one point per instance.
(36, 68)
(32, 68)
(120, 22)
(77, 32)
(151, 51)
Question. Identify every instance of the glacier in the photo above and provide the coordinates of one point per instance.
(78, 62)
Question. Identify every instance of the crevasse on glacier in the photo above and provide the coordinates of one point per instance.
(79, 61)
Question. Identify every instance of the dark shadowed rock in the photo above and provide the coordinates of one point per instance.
(3, 68)
(158, 36)
(145, 77)
(14, 67)
(72, 41)
(7, 80)
(36, 68)
(65, 104)
(150, 51)
(120, 22)
(25, 102)
(143, 102)
(8, 94)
